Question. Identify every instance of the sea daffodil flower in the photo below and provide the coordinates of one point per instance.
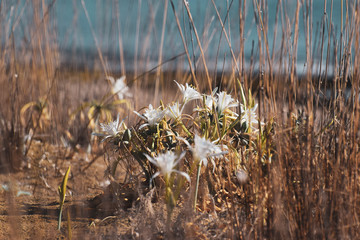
(166, 163)
(151, 116)
(109, 130)
(174, 111)
(119, 87)
(188, 92)
(204, 148)
(249, 117)
(225, 101)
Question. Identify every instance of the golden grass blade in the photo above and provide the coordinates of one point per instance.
(62, 194)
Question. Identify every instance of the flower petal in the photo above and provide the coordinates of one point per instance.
(151, 160)
(183, 174)
(153, 177)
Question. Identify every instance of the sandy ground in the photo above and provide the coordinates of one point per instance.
(29, 199)
(95, 208)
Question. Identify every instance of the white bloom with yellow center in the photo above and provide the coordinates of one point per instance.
(204, 148)
(109, 130)
(151, 116)
(210, 101)
(174, 111)
(166, 163)
(225, 101)
(249, 117)
(188, 92)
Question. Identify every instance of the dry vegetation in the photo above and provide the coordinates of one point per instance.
(297, 177)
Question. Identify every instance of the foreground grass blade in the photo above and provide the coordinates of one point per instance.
(62, 193)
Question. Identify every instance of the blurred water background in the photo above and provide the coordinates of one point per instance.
(128, 32)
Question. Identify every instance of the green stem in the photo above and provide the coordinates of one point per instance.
(169, 206)
(60, 215)
(197, 184)
(184, 128)
(170, 201)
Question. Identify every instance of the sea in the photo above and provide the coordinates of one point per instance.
(139, 35)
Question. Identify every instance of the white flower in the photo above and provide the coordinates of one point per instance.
(249, 117)
(210, 101)
(174, 111)
(224, 102)
(188, 92)
(109, 130)
(204, 148)
(119, 87)
(166, 163)
(151, 116)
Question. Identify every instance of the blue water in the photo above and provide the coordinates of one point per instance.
(140, 24)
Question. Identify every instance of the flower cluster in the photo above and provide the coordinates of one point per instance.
(206, 134)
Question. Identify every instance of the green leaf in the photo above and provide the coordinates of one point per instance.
(62, 194)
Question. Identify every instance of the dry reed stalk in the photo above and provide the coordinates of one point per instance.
(308, 166)
(242, 19)
(263, 29)
(235, 62)
(185, 46)
(320, 77)
(219, 45)
(356, 116)
(207, 40)
(199, 44)
(273, 87)
(322, 42)
(330, 31)
(95, 39)
(137, 36)
(120, 41)
(292, 93)
(146, 42)
(158, 72)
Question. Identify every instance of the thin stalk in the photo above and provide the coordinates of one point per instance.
(158, 72)
(59, 219)
(184, 43)
(170, 201)
(197, 183)
(220, 38)
(185, 129)
(137, 38)
(95, 38)
(265, 36)
(199, 43)
(121, 48)
(227, 38)
(292, 95)
(242, 19)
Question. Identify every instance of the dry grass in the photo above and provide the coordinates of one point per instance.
(307, 190)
